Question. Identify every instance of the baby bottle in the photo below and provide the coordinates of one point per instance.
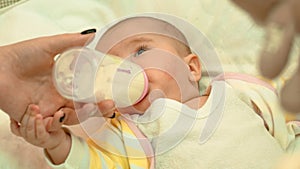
(88, 76)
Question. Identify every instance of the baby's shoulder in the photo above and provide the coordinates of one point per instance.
(244, 83)
(256, 93)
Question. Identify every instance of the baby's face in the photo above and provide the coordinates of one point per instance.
(147, 50)
(158, 55)
(155, 46)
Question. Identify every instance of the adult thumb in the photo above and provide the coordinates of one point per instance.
(59, 43)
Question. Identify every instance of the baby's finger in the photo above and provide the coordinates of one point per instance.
(41, 133)
(24, 120)
(14, 127)
(31, 128)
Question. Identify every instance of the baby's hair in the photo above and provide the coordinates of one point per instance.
(179, 38)
(169, 30)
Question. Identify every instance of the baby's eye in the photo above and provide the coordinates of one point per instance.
(140, 51)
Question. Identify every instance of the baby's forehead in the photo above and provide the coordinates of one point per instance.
(138, 26)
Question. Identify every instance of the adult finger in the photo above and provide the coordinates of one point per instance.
(58, 43)
(56, 123)
(70, 116)
(107, 108)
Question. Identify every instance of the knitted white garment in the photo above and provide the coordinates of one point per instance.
(222, 134)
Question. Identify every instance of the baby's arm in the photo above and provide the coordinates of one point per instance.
(46, 133)
(67, 151)
(262, 97)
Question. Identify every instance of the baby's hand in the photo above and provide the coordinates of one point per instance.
(46, 133)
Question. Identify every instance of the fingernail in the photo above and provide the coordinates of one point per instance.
(62, 118)
(88, 31)
(113, 116)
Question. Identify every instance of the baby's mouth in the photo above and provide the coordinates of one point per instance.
(143, 104)
(145, 96)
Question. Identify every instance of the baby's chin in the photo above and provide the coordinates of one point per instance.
(138, 108)
(143, 104)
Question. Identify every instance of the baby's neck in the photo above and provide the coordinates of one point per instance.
(197, 102)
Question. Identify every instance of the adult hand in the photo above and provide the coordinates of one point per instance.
(25, 73)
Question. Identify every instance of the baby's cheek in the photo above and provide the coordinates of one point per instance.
(159, 60)
(158, 75)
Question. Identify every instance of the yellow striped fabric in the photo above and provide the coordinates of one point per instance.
(121, 148)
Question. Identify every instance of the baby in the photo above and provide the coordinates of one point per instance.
(237, 123)
(186, 125)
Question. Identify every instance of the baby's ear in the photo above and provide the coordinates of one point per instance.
(194, 65)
